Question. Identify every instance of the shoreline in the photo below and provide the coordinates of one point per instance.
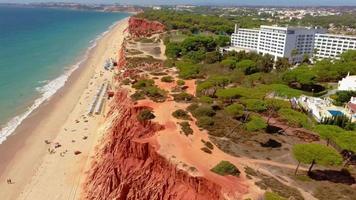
(49, 89)
(24, 152)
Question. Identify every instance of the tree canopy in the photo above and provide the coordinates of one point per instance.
(320, 154)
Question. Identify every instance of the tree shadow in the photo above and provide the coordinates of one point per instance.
(343, 176)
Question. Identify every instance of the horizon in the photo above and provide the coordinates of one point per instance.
(269, 3)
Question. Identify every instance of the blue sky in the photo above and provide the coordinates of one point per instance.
(208, 2)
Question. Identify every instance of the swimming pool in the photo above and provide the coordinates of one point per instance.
(335, 113)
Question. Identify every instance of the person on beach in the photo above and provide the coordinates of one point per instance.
(9, 181)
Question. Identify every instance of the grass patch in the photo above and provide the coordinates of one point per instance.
(273, 196)
(277, 187)
(333, 191)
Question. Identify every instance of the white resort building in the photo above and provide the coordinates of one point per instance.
(287, 42)
(291, 42)
(331, 46)
(348, 83)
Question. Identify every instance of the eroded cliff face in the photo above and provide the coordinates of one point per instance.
(128, 166)
(144, 28)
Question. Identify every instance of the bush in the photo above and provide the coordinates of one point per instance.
(145, 115)
(205, 121)
(229, 62)
(256, 123)
(277, 104)
(226, 168)
(153, 91)
(204, 111)
(186, 128)
(181, 114)
(180, 82)
(143, 83)
(188, 70)
(342, 97)
(206, 99)
(138, 95)
(167, 79)
(256, 105)
(185, 97)
(206, 150)
(235, 110)
(295, 118)
(247, 66)
(208, 144)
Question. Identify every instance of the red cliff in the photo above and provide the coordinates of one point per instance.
(143, 28)
(128, 166)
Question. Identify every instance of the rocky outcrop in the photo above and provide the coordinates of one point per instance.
(143, 28)
(128, 166)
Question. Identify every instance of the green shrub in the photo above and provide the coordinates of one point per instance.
(277, 104)
(204, 111)
(183, 97)
(226, 168)
(191, 108)
(247, 66)
(256, 123)
(181, 114)
(205, 121)
(138, 95)
(145, 115)
(180, 82)
(237, 92)
(256, 105)
(143, 83)
(206, 99)
(185, 126)
(295, 118)
(235, 110)
(153, 91)
(167, 79)
(229, 62)
(188, 70)
(204, 85)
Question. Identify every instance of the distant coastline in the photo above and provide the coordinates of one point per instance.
(78, 6)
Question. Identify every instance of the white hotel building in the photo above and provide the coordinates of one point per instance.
(331, 46)
(291, 42)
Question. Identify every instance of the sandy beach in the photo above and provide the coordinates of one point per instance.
(36, 173)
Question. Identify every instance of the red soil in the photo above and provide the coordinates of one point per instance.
(129, 167)
(144, 28)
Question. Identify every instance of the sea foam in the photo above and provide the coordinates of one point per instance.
(48, 90)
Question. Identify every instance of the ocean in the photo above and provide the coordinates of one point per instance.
(39, 49)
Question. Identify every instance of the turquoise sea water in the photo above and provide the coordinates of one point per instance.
(38, 47)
